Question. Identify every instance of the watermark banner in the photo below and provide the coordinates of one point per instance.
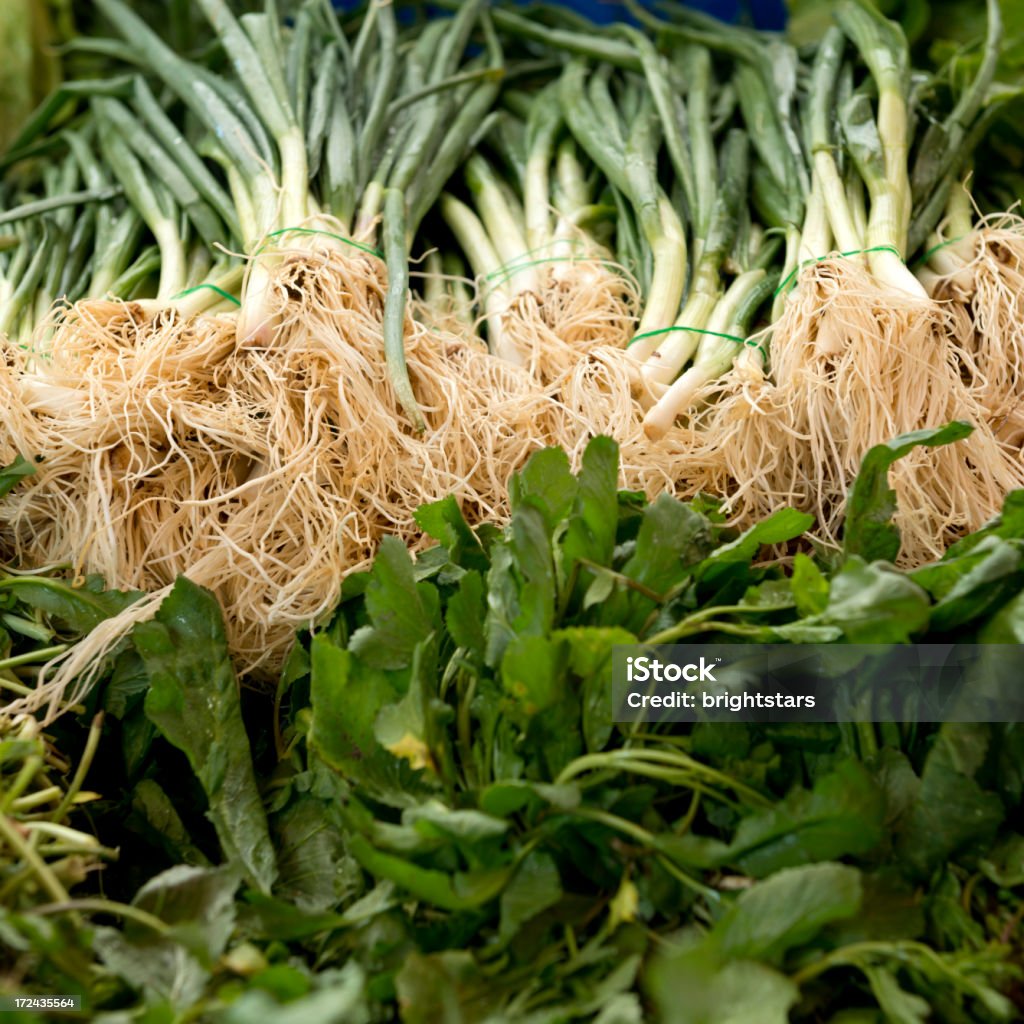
(818, 683)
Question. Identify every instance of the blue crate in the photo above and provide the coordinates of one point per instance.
(765, 14)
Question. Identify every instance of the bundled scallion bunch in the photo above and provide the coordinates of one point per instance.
(240, 334)
(254, 422)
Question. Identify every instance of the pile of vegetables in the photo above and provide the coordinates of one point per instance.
(369, 376)
(434, 817)
(273, 276)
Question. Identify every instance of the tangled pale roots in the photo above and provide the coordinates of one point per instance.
(581, 304)
(596, 396)
(989, 289)
(268, 470)
(265, 472)
(853, 365)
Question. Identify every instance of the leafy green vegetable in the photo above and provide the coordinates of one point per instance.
(785, 911)
(78, 609)
(402, 611)
(842, 815)
(445, 823)
(12, 475)
(193, 701)
(869, 530)
(739, 992)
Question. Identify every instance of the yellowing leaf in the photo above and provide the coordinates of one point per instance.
(624, 905)
(413, 750)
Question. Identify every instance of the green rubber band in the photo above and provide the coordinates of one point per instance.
(935, 248)
(502, 274)
(747, 342)
(791, 277)
(25, 347)
(209, 287)
(330, 234)
(574, 242)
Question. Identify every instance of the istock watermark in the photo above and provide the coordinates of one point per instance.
(643, 668)
(818, 683)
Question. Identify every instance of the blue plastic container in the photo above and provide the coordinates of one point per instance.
(765, 14)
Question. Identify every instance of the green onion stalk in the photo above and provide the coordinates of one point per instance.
(941, 176)
(829, 191)
(951, 250)
(974, 268)
(765, 80)
(903, 207)
(496, 227)
(533, 232)
(441, 111)
(722, 340)
(268, 182)
(879, 145)
(184, 207)
(328, 144)
(706, 287)
(22, 269)
(95, 204)
(51, 227)
(447, 297)
(714, 190)
(719, 179)
(626, 152)
(875, 358)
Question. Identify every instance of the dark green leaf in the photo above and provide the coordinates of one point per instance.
(13, 474)
(672, 537)
(952, 815)
(80, 609)
(842, 815)
(787, 910)
(785, 525)
(347, 697)
(1004, 864)
(591, 529)
(409, 729)
(160, 819)
(899, 1006)
(466, 613)
(875, 604)
(521, 584)
(534, 887)
(444, 988)
(193, 701)
(810, 587)
(1008, 525)
(533, 673)
(314, 871)
(1007, 625)
(547, 485)
(968, 587)
(443, 520)
(869, 531)
(402, 611)
(339, 998)
(459, 891)
(737, 992)
(283, 920)
(590, 659)
(507, 798)
(198, 904)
